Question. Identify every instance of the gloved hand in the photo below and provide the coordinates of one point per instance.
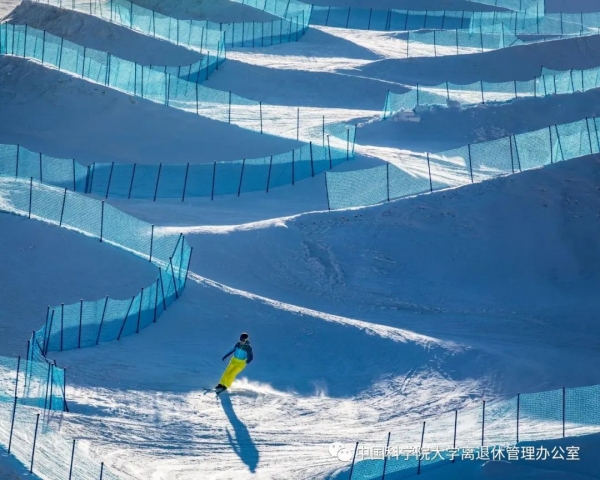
(248, 362)
(223, 359)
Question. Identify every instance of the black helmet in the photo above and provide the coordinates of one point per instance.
(243, 336)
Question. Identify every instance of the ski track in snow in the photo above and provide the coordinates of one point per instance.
(139, 404)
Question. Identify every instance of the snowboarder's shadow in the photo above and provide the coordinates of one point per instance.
(242, 443)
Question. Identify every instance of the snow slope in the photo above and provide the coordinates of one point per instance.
(363, 321)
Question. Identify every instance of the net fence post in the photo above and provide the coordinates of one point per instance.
(455, 428)
(483, 423)
(72, 458)
(470, 164)
(157, 181)
(102, 320)
(112, 166)
(37, 421)
(269, 174)
(429, 171)
(102, 221)
(518, 414)
(131, 184)
(187, 169)
(421, 450)
(327, 193)
(212, 191)
(241, 177)
(385, 456)
(564, 402)
(30, 195)
(260, 115)
(137, 330)
(293, 166)
(353, 460)
(125, 318)
(80, 322)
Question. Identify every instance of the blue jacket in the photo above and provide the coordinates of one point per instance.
(241, 351)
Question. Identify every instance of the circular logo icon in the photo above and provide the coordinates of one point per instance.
(334, 448)
(345, 454)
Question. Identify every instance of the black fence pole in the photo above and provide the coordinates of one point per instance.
(173, 272)
(131, 184)
(30, 195)
(112, 166)
(353, 457)
(17, 377)
(385, 456)
(157, 181)
(137, 330)
(102, 220)
(470, 164)
(327, 192)
(241, 177)
(269, 174)
(40, 168)
(12, 423)
(564, 402)
(101, 470)
(229, 106)
(80, 322)
(187, 169)
(162, 288)
(421, 450)
(518, 414)
(260, 114)
(212, 190)
(429, 170)
(37, 421)
(293, 167)
(455, 428)
(347, 144)
(72, 458)
(483, 424)
(125, 318)
(102, 320)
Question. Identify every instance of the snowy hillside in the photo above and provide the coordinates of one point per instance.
(363, 321)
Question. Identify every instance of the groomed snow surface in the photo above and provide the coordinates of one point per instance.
(364, 321)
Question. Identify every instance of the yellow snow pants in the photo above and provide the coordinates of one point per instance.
(235, 366)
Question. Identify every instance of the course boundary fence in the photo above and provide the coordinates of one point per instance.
(549, 82)
(428, 172)
(518, 23)
(80, 325)
(492, 427)
(172, 181)
(200, 35)
(163, 88)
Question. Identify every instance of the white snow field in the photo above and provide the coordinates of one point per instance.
(363, 321)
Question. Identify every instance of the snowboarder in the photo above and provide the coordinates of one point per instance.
(242, 356)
